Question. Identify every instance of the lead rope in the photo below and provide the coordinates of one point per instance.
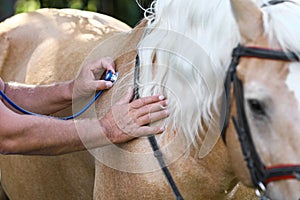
(153, 142)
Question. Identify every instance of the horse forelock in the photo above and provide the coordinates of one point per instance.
(281, 24)
(190, 43)
(284, 30)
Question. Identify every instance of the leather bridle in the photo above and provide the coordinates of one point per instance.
(261, 174)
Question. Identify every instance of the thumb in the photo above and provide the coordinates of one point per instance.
(102, 85)
(127, 98)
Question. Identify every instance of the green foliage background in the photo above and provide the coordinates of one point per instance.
(125, 10)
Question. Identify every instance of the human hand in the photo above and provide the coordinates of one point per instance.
(126, 121)
(88, 81)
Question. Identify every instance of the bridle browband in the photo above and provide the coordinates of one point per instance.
(260, 174)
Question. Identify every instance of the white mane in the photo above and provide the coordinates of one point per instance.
(191, 42)
(282, 24)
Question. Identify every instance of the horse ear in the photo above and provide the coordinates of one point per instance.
(249, 18)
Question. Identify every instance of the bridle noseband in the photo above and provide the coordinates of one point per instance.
(260, 174)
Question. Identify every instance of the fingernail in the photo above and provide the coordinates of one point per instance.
(108, 84)
(167, 112)
(166, 103)
(162, 129)
(161, 97)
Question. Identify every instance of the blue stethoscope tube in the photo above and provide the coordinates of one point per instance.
(108, 77)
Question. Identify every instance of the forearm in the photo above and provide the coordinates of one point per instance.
(46, 136)
(44, 99)
(26, 134)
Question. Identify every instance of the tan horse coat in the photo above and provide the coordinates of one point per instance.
(40, 48)
(51, 52)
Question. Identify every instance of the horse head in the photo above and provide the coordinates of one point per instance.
(264, 132)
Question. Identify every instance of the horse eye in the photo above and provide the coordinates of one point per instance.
(257, 107)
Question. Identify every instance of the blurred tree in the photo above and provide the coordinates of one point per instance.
(26, 5)
(54, 4)
(124, 10)
(127, 11)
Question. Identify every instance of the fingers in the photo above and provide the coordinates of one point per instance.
(147, 103)
(108, 64)
(151, 108)
(146, 100)
(103, 85)
(152, 117)
(148, 130)
(90, 75)
(132, 119)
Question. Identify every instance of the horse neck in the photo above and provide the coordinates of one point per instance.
(189, 64)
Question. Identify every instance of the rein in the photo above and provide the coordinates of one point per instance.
(153, 142)
(261, 175)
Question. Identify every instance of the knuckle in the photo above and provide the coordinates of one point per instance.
(148, 118)
(156, 129)
(145, 120)
(144, 100)
(132, 113)
(140, 122)
(137, 103)
(147, 108)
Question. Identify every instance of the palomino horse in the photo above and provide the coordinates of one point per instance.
(267, 95)
(180, 56)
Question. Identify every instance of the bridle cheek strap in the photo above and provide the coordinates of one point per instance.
(260, 174)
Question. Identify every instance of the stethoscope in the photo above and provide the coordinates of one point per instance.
(109, 76)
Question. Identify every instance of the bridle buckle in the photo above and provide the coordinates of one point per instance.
(297, 176)
(260, 191)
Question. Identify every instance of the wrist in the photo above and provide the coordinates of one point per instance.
(69, 90)
(106, 127)
(63, 92)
